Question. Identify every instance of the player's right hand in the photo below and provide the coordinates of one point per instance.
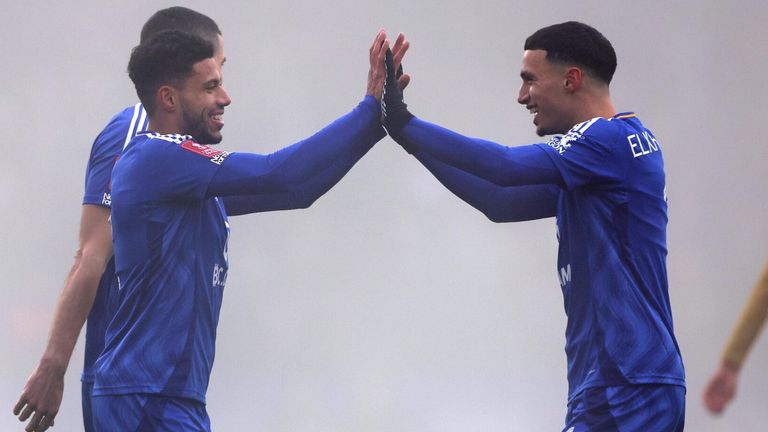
(40, 399)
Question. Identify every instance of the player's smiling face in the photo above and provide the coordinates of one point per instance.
(543, 93)
(202, 101)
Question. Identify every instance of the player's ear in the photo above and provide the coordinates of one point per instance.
(167, 98)
(573, 79)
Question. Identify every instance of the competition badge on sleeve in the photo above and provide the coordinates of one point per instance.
(216, 156)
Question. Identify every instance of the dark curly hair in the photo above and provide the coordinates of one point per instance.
(165, 58)
(180, 18)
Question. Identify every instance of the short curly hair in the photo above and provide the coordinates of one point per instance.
(165, 58)
(180, 18)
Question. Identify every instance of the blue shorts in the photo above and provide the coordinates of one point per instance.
(86, 393)
(627, 409)
(142, 412)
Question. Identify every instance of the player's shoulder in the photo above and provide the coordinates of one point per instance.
(150, 152)
(601, 130)
(122, 127)
(153, 144)
(601, 127)
(171, 148)
(577, 133)
(132, 117)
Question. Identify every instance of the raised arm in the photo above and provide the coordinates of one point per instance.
(296, 176)
(497, 203)
(338, 145)
(495, 163)
(298, 196)
(43, 391)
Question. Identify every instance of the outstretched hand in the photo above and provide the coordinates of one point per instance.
(377, 52)
(376, 73)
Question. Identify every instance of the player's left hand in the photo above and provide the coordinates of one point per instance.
(398, 52)
(394, 110)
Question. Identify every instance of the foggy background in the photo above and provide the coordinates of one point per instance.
(391, 305)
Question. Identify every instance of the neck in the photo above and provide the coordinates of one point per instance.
(165, 125)
(595, 105)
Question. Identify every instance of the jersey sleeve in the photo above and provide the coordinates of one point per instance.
(584, 155)
(496, 163)
(298, 196)
(307, 168)
(105, 150)
(497, 203)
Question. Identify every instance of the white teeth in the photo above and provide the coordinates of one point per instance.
(217, 117)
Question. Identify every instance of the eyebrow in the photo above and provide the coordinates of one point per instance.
(526, 75)
(212, 82)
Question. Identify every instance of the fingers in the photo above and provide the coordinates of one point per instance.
(383, 51)
(398, 52)
(376, 72)
(403, 81)
(400, 48)
(46, 423)
(33, 425)
(377, 54)
(26, 412)
(19, 405)
(40, 424)
(398, 41)
(376, 46)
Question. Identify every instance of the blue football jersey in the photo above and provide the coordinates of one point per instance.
(104, 152)
(170, 200)
(611, 221)
(171, 263)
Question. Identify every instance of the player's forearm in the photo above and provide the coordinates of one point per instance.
(750, 323)
(498, 164)
(72, 310)
(299, 197)
(499, 204)
(340, 144)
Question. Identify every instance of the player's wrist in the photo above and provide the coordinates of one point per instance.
(53, 365)
(55, 360)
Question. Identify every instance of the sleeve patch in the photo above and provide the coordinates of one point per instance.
(561, 143)
(216, 156)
